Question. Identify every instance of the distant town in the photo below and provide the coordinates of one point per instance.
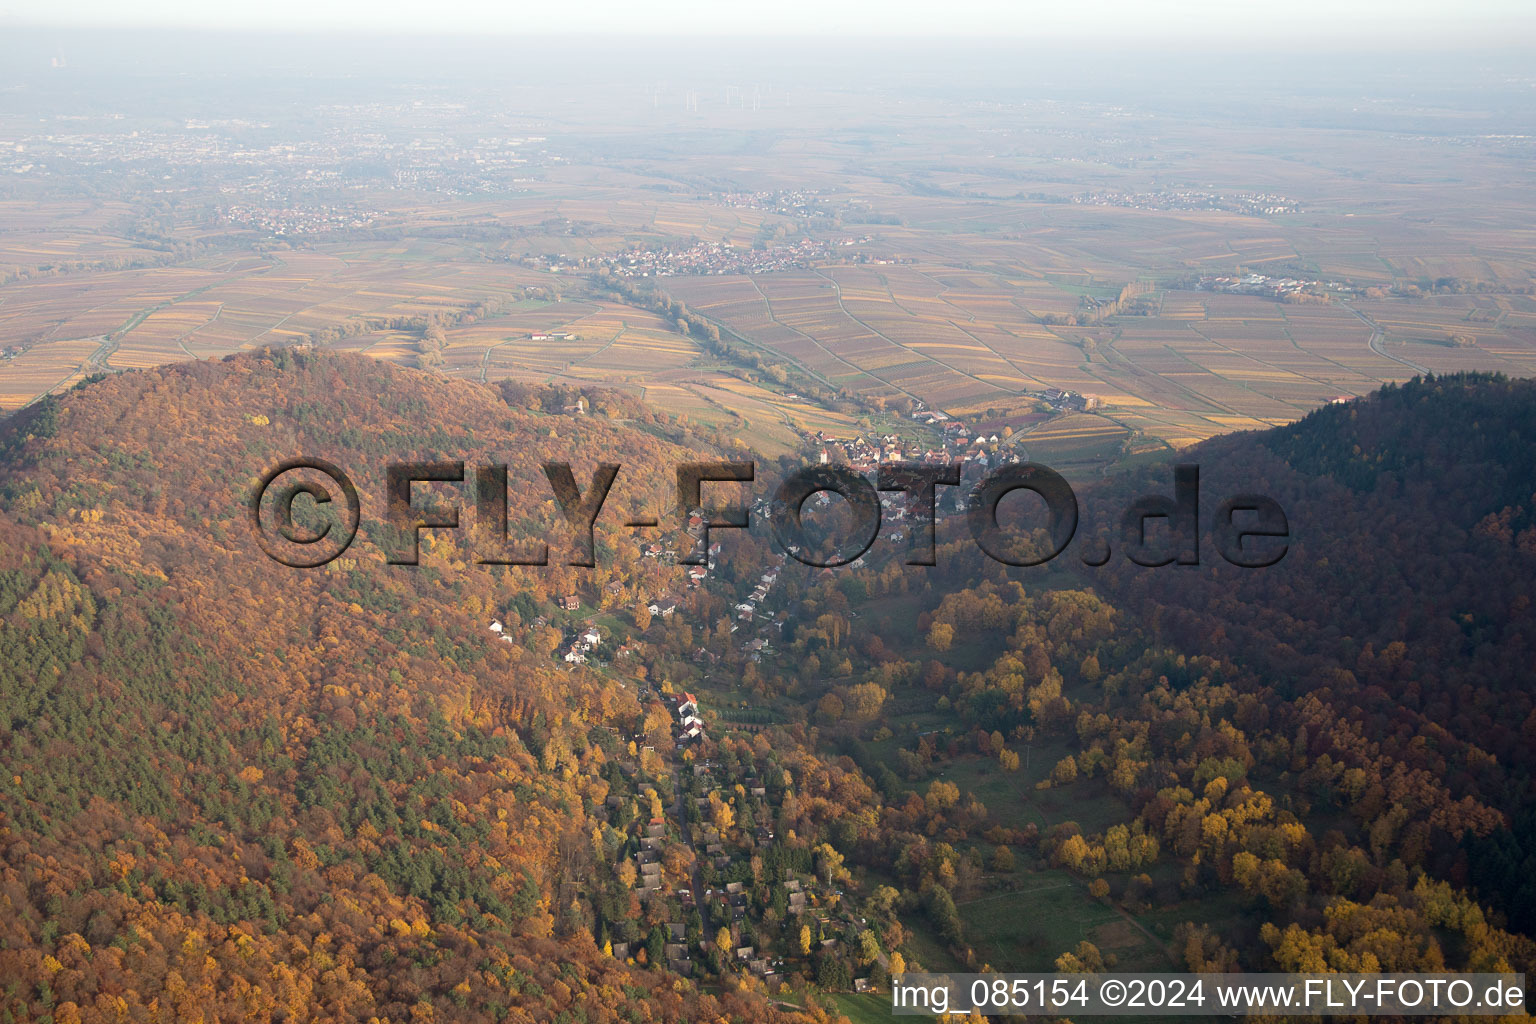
(1251, 203)
(707, 258)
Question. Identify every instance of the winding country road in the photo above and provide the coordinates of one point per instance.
(1377, 346)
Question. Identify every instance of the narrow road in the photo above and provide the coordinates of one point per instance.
(1377, 346)
(853, 922)
(773, 317)
(679, 812)
(837, 290)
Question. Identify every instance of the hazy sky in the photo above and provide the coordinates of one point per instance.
(1496, 22)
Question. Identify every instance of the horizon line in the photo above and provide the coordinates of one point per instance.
(1465, 34)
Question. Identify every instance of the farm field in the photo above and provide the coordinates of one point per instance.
(1207, 364)
(37, 372)
(969, 342)
(963, 284)
(604, 341)
(212, 307)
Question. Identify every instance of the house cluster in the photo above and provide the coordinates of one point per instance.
(690, 727)
(722, 889)
(802, 899)
(664, 606)
(963, 442)
(1065, 401)
(720, 258)
(746, 610)
(1257, 284)
(667, 556)
(581, 646)
(1251, 203)
(866, 454)
(297, 219)
(730, 903)
(550, 335)
(932, 417)
(648, 857)
(651, 844)
(575, 652)
(800, 202)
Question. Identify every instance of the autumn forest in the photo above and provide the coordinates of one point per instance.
(244, 791)
(553, 737)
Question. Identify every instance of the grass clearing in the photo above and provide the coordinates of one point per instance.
(1026, 930)
(859, 1008)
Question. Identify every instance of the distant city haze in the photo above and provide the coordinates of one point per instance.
(1315, 22)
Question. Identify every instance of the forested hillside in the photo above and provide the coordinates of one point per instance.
(239, 789)
(645, 791)
(1395, 641)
